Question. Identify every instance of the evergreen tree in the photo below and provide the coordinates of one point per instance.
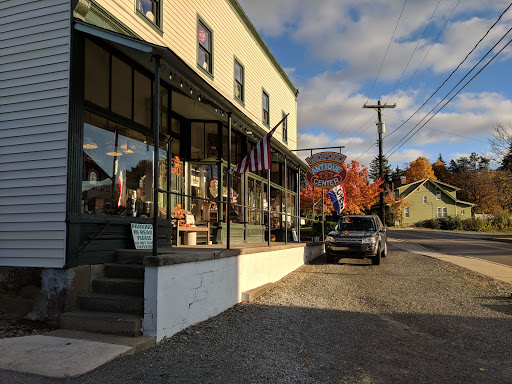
(440, 158)
(373, 171)
(506, 163)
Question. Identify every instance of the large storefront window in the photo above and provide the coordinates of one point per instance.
(275, 206)
(117, 173)
(204, 141)
(204, 183)
(236, 197)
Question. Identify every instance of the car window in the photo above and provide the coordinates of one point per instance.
(355, 224)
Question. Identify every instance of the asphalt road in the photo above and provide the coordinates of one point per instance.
(413, 319)
(460, 244)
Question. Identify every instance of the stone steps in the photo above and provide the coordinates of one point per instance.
(119, 286)
(101, 302)
(132, 271)
(102, 322)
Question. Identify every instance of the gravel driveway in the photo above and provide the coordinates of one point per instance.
(412, 319)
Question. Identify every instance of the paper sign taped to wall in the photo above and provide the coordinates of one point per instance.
(142, 236)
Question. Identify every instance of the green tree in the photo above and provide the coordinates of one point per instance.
(373, 171)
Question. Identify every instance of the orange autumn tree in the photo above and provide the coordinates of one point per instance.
(396, 205)
(419, 169)
(306, 201)
(361, 195)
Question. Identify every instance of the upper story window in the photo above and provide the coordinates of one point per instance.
(151, 10)
(266, 108)
(239, 81)
(438, 195)
(204, 55)
(285, 129)
(406, 212)
(424, 199)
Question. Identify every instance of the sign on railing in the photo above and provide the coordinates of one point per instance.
(142, 236)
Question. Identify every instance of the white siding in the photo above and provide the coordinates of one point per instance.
(231, 38)
(34, 94)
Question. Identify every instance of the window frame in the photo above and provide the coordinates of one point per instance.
(462, 211)
(158, 23)
(241, 99)
(425, 199)
(266, 121)
(285, 129)
(201, 23)
(438, 194)
(406, 212)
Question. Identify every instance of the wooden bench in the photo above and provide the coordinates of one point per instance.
(186, 230)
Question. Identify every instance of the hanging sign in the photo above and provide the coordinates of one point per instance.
(142, 236)
(326, 169)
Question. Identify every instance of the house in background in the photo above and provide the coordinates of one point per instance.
(431, 199)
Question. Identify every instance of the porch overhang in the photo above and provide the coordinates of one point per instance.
(143, 52)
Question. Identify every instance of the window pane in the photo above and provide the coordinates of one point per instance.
(274, 173)
(118, 170)
(142, 99)
(238, 72)
(203, 36)
(204, 59)
(197, 141)
(175, 147)
(149, 9)
(97, 77)
(164, 109)
(238, 91)
(175, 126)
(265, 101)
(204, 183)
(212, 140)
(121, 88)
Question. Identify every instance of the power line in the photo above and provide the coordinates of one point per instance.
(451, 74)
(501, 50)
(385, 55)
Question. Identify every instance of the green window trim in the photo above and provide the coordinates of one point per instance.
(239, 81)
(265, 108)
(204, 47)
(156, 24)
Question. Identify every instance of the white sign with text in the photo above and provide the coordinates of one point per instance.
(142, 236)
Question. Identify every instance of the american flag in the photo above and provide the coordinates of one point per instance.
(260, 157)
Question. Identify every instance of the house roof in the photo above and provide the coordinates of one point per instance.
(410, 188)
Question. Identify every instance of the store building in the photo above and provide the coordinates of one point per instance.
(85, 85)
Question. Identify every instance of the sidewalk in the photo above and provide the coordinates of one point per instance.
(488, 268)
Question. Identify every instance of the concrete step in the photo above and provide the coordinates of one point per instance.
(138, 344)
(131, 271)
(118, 286)
(102, 322)
(101, 302)
(132, 256)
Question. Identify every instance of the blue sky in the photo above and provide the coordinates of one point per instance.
(332, 50)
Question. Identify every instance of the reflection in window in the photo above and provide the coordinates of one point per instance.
(151, 10)
(255, 201)
(118, 170)
(204, 56)
(239, 81)
(275, 205)
(236, 197)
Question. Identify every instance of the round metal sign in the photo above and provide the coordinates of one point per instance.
(326, 169)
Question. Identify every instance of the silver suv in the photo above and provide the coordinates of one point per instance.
(357, 237)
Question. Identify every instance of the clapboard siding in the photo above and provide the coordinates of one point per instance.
(231, 38)
(34, 104)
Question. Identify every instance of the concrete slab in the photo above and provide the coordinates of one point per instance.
(487, 268)
(56, 356)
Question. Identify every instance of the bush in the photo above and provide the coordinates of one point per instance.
(452, 223)
(430, 223)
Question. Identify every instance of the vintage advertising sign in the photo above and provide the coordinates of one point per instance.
(142, 236)
(326, 169)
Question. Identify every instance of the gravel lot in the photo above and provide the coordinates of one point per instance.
(412, 319)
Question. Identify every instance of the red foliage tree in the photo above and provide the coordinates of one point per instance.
(361, 195)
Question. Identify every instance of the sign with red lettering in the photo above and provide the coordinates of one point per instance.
(326, 169)
(201, 35)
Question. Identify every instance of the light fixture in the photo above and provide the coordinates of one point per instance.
(199, 98)
(191, 91)
(113, 150)
(115, 153)
(89, 144)
(170, 76)
(181, 83)
(248, 133)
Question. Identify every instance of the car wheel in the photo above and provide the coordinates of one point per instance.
(377, 257)
(385, 250)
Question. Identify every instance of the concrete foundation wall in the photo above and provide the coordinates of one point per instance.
(179, 295)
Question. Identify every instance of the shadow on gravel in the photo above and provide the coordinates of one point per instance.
(505, 305)
(322, 260)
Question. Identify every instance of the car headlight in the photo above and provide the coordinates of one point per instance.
(369, 240)
(330, 239)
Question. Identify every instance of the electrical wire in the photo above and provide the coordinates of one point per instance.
(451, 74)
(387, 50)
(490, 61)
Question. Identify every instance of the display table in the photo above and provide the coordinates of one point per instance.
(190, 233)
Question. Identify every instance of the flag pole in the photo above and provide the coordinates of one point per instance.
(268, 205)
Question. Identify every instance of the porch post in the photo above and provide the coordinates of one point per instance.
(285, 201)
(228, 210)
(298, 204)
(156, 155)
(268, 205)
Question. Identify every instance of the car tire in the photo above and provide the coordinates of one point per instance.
(385, 250)
(377, 257)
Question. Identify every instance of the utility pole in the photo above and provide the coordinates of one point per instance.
(381, 127)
